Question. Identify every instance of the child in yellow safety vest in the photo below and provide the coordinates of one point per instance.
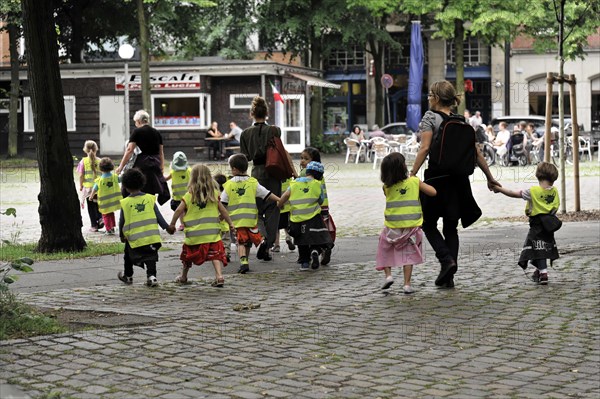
(542, 204)
(180, 177)
(88, 172)
(401, 241)
(284, 221)
(138, 228)
(109, 194)
(306, 224)
(201, 208)
(239, 196)
(227, 236)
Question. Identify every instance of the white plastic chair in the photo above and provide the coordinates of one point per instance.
(411, 148)
(364, 148)
(380, 149)
(585, 145)
(352, 148)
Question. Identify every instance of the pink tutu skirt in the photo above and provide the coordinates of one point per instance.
(399, 247)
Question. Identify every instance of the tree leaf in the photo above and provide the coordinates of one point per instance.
(10, 279)
(29, 261)
(26, 269)
(10, 212)
(16, 264)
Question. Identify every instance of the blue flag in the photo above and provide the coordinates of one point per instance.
(415, 78)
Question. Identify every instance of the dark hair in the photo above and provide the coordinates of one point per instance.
(106, 164)
(355, 127)
(393, 169)
(445, 93)
(239, 161)
(313, 153)
(546, 171)
(314, 173)
(259, 108)
(133, 179)
(220, 178)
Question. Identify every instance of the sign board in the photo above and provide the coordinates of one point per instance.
(387, 80)
(162, 81)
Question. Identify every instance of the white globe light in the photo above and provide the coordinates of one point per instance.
(126, 51)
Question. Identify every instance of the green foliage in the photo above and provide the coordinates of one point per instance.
(18, 320)
(9, 212)
(21, 265)
(15, 251)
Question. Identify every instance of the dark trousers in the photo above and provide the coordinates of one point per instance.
(214, 147)
(149, 265)
(95, 215)
(268, 212)
(540, 264)
(446, 245)
(304, 252)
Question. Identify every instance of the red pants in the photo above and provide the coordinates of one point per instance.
(109, 221)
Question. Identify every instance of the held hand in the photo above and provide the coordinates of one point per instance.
(493, 183)
(496, 189)
(171, 229)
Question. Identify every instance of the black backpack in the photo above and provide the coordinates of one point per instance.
(452, 148)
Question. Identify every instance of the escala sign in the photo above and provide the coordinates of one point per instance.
(163, 81)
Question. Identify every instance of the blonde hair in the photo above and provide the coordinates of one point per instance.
(91, 148)
(202, 186)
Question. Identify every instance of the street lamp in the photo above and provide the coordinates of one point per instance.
(126, 52)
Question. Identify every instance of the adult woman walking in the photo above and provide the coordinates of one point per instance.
(253, 144)
(152, 158)
(454, 198)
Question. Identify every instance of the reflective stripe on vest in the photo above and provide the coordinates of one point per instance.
(140, 227)
(304, 199)
(88, 174)
(402, 205)
(179, 183)
(109, 194)
(284, 186)
(542, 202)
(242, 202)
(201, 224)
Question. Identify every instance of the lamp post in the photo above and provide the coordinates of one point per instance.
(126, 52)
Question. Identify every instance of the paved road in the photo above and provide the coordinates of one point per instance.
(330, 333)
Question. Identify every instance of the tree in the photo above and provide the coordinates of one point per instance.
(60, 216)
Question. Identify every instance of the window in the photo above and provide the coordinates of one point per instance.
(354, 57)
(69, 114)
(396, 57)
(180, 111)
(475, 52)
(5, 105)
(241, 101)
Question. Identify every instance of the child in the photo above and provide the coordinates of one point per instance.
(201, 208)
(180, 173)
(239, 196)
(400, 242)
(109, 194)
(542, 204)
(306, 224)
(284, 221)
(138, 228)
(88, 171)
(308, 155)
(227, 236)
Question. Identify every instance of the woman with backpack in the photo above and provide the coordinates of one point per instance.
(450, 143)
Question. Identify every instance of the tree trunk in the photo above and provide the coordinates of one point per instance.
(377, 53)
(561, 112)
(15, 84)
(316, 100)
(459, 58)
(60, 216)
(145, 61)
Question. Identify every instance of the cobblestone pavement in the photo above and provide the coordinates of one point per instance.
(332, 333)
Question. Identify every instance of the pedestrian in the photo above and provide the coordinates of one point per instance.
(88, 172)
(307, 156)
(109, 194)
(284, 221)
(542, 205)
(180, 176)
(475, 120)
(401, 241)
(454, 200)
(306, 224)
(227, 236)
(214, 145)
(233, 137)
(253, 144)
(201, 208)
(138, 228)
(240, 196)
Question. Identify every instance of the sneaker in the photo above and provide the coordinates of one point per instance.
(326, 258)
(543, 278)
(314, 260)
(536, 276)
(152, 281)
(304, 266)
(93, 230)
(263, 252)
(387, 283)
(408, 289)
(124, 278)
(275, 248)
(243, 269)
(290, 244)
(446, 273)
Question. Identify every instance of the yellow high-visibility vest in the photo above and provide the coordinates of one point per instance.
(304, 199)
(324, 187)
(141, 227)
(543, 201)
(179, 183)
(284, 186)
(402, 204)
(88, 174)
(201, 222)
(109, 194)
(242, 202)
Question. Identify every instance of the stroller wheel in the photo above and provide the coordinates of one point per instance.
(523, 160)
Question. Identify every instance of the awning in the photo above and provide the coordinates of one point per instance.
(314, 81)
(354, 76)
(475, 72)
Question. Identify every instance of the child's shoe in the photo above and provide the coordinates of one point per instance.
(304, 266)
(290, 244)
(93, 230)
(326, 258)
(536, 276)
(219, 282)
(543, 278)
(314, 263)
(124, 278)
(151, 281)
(408, 289)
(276, 248)
(387, 283)
(244, 268)
(263, 252)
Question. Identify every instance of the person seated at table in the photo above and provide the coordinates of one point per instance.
(376, 132)
(501, 139)
(214, 145)
(357, 134)
(233, 137)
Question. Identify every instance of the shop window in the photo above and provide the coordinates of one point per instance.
(241, 101)
(181, 111)
(69, 102)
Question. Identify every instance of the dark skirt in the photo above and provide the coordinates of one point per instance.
(311, 232)
(539, 244)
(155, 181)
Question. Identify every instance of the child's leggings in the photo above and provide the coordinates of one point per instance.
(128, 265)
(95, 215)
(109, 221)
(540, 264)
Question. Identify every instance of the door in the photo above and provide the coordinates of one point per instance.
(113, 137)
(293, 128)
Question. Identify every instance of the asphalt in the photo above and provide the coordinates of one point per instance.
(329, 333)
